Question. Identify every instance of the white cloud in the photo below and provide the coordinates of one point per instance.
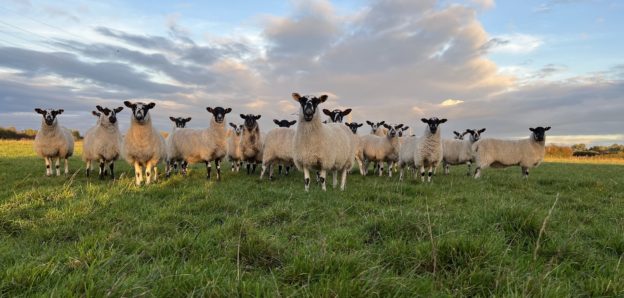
(451, 102)
(484, 4)
(516, 43)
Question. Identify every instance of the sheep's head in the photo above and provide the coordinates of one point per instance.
(539, 133)
(218, 113)
(308, 104)
(140, 111)
(433, 123)
(459, 136)
(49, 115)
(475, 134)
(336, 115)
(284, 123)
(110, 115)
(251, 121)
(180, 122)
(392, 129)
(238, 129)
(354, 126)
(400, 131)
(375, 126)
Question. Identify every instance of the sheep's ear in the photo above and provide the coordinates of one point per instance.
(58, 112)
(233, 125)
(405, 128)
(129, 104)
(210, 110)
(172, 119)
(276, 122)
(386, 126)
(398, 126)
(425, 120)
(243, 116)
(531, 129)
(327, 112)
(481, 130)
(118, 109)
(381, 123)
(442, 121)
(456, 133)
(227, 110)
(470, 131)
(96, 114)
(369, 123)
(257, 117)
(188, 119)
(151, 105)
(100, 108)
(346, 112)
(296, 97)
(39, 111)
(292, 122)
(359, 125)
(545, 128)
(323, 98)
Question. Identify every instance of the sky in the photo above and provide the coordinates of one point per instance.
(501, 65)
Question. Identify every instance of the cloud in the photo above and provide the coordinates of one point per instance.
(451, 102)
(516, 43)
(484, 4)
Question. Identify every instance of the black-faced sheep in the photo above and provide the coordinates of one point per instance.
(53, 141)
(103, 141)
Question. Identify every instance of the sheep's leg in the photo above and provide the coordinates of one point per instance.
(175, 167)
(401, 169)
(447, 167)
(287, 170)
(335, 179)
(279, 170)
(380, 168)
(318, 177)
(148, 173)
(168, 168)
(184, 165)
(525, 172)
(138, 174)
(155, 167)
(306, 178)
(248, 168)
(218, 166)
(111, 166)
(101, 174)
(253, 167)
(343, 180)
(390, 168)
(66, 166)
(477, 173)
(360, 166)
(430, 173)
(422, 173)
(48, 163)
(58, 166)
(322, 177)
(271, 166)
(264, 168)
(468, 163)
(208, 169)
(88, 167)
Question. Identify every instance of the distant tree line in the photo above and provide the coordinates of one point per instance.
(11, 133)
(582, 150)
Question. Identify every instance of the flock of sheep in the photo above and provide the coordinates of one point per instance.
(320, 146)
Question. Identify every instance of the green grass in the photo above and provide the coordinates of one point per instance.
(73, 236)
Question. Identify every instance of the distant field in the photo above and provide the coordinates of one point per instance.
(74, 236)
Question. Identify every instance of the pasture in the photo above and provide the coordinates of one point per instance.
(559, 233)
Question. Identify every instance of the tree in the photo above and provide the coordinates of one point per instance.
(579, 147)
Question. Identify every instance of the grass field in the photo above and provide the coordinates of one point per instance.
(71, 236)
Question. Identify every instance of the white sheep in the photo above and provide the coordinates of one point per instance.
(234, 153)
(203, 145)
(53, 141)
(323, 147)
(277, 148)
(143, 145)
(407, 145)
(381, 149)
(284, 123)
(458, 151)
(359, 154)
(428, 148)
(179, 122)
(103, 141)
(251, 142)
(526, 153)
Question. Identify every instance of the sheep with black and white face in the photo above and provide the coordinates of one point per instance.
(102, 143)
(53, 141)
(459, 151)
(179, 122)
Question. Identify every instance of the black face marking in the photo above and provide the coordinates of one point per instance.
(539, 133)
(251, 121)
(180, 122)
(336, 116)
(219, 113)
(400, 131)
(49, 115)
(354, 126)
(140, 111)
(309, 104)
(110, 114)
(433, 123)
(284, 123)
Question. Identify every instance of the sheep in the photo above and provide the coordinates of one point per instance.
(143, 145)
(428, 148)
(53, 141)
(336, 115)
(251, 142)
(406, 154)
(179, 122)
(526, 153)
(359, 155)
(284, 123)
(377, 128)
(203, 145)
(103, 141)
(323, 147)
(459, 136)
(381, 149)
(234, 153)
(458, 151)
(277, 147)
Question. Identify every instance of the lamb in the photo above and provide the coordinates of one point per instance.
(179, 122)
(251, 142)
(203, 145)
(143, 145)
(459, 136)
(277, 148)
(336, 116)
(377, 128)
(459, 151)
(359, 155)
(428, 148)
(381, 149)
(526, 153)
(53, 141)
(323, 147)
(284, 123)
(103, 141)
(234, 153)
